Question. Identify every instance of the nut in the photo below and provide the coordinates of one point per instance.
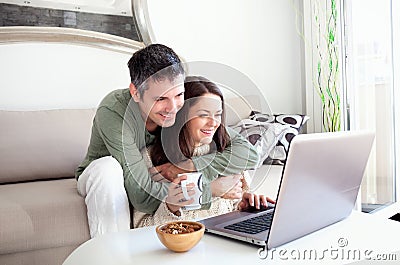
(180, 228)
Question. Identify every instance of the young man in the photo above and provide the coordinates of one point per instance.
(123, 125)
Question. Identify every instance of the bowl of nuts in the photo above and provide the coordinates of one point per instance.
(180, 236)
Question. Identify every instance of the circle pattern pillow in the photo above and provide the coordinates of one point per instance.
(295, 121)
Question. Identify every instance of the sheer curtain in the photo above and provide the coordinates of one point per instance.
(370, 92)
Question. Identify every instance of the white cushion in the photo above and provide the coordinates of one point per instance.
(43, 144)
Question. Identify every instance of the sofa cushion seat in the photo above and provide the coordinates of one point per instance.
(41, 214)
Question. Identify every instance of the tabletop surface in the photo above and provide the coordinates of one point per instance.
(359, 237)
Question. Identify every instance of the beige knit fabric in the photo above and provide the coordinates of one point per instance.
(162, 215)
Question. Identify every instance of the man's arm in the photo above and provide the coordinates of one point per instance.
(121, 141)
(240, 155)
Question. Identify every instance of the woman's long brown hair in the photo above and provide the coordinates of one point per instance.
(165, 148)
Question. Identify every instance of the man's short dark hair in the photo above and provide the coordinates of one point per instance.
(149, 61)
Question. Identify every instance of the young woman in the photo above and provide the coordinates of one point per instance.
(199, 129)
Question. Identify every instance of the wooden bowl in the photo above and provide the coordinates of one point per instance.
(180, 242)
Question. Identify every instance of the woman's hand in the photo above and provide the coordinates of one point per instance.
(253, 200)
(229, 187)
(175, 199)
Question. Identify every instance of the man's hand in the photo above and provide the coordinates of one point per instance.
(171, 171)
(229, 187)
(156, 176)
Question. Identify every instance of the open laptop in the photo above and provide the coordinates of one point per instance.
(319, 187)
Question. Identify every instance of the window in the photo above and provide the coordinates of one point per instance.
(370, 100)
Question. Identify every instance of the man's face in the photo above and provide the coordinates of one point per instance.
(161, 101)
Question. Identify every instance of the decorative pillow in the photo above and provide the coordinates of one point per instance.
(263, 135)
(295, 123)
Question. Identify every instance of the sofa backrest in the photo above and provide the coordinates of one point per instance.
(49, 95)
(238, 108)
(43, 144)
(49, 91)
(49, 144)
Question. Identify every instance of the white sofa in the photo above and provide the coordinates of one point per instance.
(42, 217)
(49, 90)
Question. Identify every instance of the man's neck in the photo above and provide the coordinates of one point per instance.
(151, 126)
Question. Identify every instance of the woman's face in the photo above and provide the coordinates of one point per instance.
(204, 118)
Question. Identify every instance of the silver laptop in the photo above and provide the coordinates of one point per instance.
(319, 187)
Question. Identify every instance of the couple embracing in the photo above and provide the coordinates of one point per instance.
(165, 124)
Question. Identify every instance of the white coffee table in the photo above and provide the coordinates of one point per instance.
(359, 233)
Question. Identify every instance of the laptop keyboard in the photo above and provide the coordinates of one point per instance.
(252, 225)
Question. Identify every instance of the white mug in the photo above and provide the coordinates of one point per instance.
(196, 178)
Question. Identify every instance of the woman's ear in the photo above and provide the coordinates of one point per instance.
(134, 92)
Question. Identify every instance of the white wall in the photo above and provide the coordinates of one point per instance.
(51, 76)
(256, 37)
